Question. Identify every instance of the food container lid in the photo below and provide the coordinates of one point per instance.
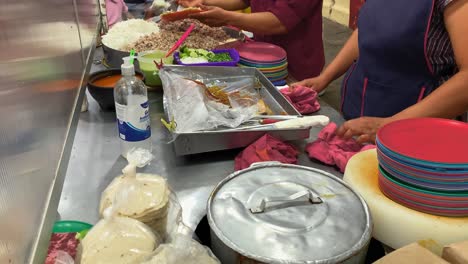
(70, 226)
(279, 213)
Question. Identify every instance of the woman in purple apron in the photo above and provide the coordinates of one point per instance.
(406, 59)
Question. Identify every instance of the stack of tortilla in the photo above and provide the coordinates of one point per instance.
(144, 197)
(117, 240)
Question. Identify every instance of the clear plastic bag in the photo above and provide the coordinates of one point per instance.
(144, 197)
(182, 249)
(116, 240)
(138, 210)
(205, 102)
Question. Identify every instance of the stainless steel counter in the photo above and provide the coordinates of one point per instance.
(95, 161)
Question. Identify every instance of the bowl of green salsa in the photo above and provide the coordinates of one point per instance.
(148, 67)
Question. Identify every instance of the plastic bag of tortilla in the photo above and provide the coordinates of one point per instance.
(182, 249)
(196, 102)
(141, 196)
(117, 240)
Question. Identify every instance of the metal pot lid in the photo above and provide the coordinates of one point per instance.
(278, 213)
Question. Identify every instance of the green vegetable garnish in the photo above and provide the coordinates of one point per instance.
(82, 234)
(219, 57)
(210, 56)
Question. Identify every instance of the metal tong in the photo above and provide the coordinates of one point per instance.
(298, 122)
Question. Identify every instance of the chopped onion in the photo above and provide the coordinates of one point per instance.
(190, 60)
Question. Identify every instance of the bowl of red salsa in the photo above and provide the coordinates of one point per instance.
(101, 86)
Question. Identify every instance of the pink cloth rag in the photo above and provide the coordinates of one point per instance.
(303, 99)
(266, 148)
(333, 150)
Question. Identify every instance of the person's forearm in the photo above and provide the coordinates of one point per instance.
(451, 98)
(231, 5)
(448, 101)
(262, 23)
(345, 58)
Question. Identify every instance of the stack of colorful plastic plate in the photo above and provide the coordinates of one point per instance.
(270, 59)
(423, 164)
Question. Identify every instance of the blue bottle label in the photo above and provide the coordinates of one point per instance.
(133, 121)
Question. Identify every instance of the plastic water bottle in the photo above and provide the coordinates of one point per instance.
(132, 109)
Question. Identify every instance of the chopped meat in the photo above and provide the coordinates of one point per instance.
(202, 37)
(216, 33)
(61, 242)
(164, 40)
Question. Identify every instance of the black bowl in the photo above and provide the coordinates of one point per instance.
(105, 95)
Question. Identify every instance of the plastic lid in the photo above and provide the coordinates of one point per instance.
(274, 212)
(70, 227)
(127, 67)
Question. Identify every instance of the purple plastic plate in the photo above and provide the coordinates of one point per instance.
(232, 52)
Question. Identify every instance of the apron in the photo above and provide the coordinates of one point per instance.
(393, 71)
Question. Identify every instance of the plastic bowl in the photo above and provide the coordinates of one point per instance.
(232, 52)
(105, 95)
(146, 63)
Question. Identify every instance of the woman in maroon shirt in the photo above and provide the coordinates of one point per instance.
(295, 25)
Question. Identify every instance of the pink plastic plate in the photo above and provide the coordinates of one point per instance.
(261, 52)
(427, 139)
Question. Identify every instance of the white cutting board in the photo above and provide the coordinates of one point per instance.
(396, 225)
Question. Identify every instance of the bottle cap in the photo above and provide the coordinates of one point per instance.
(127, 67)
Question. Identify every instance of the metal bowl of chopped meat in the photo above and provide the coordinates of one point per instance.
(202, 37)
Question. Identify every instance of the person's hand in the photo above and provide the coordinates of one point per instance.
(212, 16)
(318, 83)
(190, 3)
(363, 128)
(128, 16)
(149, 13)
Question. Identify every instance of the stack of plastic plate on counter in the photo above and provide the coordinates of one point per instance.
(423, 164)
(270, 59)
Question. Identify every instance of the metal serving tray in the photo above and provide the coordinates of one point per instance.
(207, 141)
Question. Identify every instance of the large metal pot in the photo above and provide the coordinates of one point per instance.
(113, 58)
(278, 213)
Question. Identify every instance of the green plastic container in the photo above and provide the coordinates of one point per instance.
(149, 69)
(70, 227)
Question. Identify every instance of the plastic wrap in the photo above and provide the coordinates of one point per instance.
(63, 258)
(144, 197)
(116, 240)
(182, 249)
(195, 102)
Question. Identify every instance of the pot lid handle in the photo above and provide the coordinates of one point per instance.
(287, 201)
(264, 163)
